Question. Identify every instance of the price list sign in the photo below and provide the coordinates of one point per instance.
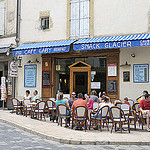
(140, 73)
(30, 75)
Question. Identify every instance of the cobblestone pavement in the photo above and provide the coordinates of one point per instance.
(12, 138)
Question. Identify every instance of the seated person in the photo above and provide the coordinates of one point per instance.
(79, 102)
(36, 96)
(61, 100)
(71, 100)
(93, 96)
(101, 96)
(142, 96)
(145, 108)
(126, 100)
(27, 96)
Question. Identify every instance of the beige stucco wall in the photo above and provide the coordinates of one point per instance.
(20, 89)
(120, 17)
(130, 89)
(30, 20)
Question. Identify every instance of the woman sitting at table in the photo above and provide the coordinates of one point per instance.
(61, 100)
(27, 96)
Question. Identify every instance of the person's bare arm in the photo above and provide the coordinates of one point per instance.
(66, 103)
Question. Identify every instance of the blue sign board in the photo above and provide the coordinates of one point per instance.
(44, 50)
(110, 45)
(140, 73)
(30, 75)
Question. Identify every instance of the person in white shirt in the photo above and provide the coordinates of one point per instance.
(27, 96)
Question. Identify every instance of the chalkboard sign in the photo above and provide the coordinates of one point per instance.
(112, 86)
(46, 79)
(126, 76)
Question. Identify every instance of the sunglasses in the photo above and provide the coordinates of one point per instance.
(73, 94)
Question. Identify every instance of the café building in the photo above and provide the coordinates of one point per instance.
(118, 65)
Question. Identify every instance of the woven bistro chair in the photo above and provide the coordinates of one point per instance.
(131, 102)
(95, 105)
(40, 110)
(80, 115)
(16, 105)
(118, 117)
(138, 116)
(51, 108)
(100, 117)
(63, 113)
(26, 107)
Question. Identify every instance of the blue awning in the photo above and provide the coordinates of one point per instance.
(139, 40)
(43, 48)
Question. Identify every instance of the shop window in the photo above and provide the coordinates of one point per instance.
(45, 23)
(80, 17)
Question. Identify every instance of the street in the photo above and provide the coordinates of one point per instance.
(16, 139)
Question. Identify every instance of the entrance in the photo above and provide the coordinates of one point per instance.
(80, 77)
(80, 82)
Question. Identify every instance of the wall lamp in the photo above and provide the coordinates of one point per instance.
(19, 59)
(33, 62)
(125, 65)
(132, 54)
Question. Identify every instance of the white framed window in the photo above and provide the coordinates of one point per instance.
(80, 19)
(2, 18)
(45, 23)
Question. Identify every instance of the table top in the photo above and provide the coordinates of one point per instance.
(33, 103)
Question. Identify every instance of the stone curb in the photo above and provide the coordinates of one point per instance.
(67, 141)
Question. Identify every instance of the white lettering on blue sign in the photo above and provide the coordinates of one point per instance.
(144, 43)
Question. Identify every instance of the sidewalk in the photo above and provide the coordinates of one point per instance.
(51, 131)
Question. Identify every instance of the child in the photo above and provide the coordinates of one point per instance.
(126, 100)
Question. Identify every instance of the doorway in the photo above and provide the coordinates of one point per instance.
(80, 82)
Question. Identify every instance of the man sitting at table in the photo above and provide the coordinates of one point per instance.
(145, 108)
(36, 96)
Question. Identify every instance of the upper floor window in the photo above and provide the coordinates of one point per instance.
(2, 18)
(80, 17)
(45, 23)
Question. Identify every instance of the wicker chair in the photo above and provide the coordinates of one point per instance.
(40, 110)
(26, 107)
(131, 102)
(16, 105)
(51, 107)
(80, 115)
(95, 105)
(101, 116)
(63, 113)
(118, 117)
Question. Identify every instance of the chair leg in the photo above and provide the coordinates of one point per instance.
(115, 126)
(100, 121)
(129, 126)
(120, 126)
(112, 126)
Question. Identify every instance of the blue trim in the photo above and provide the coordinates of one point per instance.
(35, 75)
(140, 40)
(134, 74)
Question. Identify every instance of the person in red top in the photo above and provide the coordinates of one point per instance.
(126, 100)
(79, 102)
(145, 108)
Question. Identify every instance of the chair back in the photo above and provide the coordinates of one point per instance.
(81, 112)
(41, 105)
(118, 104)
(117, 100)
(131, 102)
(104, 111)
(14, 101)
(37, 100)
(95, 105)
(62, 110)
(126, 108)
(116, 112)
(26, 102)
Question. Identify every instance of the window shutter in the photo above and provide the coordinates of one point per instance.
(84, 19)
(74, 20)
(2, 18)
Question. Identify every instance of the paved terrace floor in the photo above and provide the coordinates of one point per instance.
(49, 130)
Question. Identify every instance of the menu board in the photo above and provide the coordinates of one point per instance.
(30, 75)
(46, 79)
(140, 73)
(112, 86)
(112, 69)
(126, 76)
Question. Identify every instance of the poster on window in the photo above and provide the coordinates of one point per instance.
(30, 75)
(112, 70)
(140, 73)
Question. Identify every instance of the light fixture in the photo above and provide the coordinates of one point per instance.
(33, 62)
(132, 54)
(125, 65)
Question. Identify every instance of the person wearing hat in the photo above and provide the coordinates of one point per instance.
(71, 100)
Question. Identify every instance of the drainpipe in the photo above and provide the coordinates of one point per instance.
(17, 35)
(52, 76)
